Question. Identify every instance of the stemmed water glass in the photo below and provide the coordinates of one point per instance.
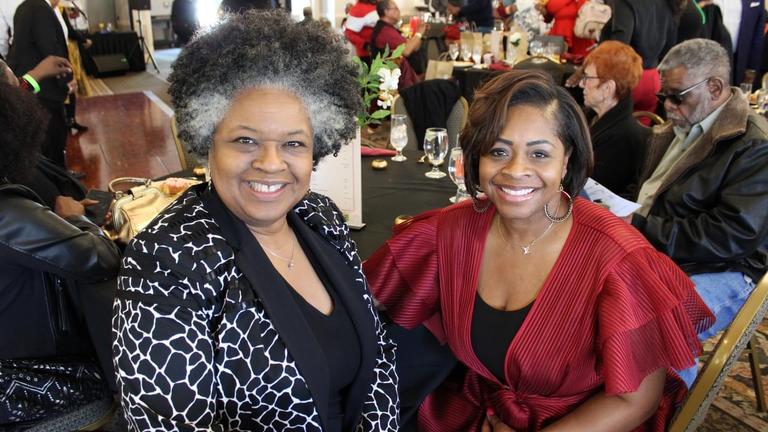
(456, 172)
(466, 53)
(453, 50)
(398, 136)
(436, 148)
(536, 47)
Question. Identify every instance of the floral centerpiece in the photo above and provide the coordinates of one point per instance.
(378, 82)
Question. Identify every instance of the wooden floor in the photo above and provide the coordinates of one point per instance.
(129, 136)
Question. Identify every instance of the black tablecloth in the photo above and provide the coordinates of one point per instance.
(126, 43)
(400, 189)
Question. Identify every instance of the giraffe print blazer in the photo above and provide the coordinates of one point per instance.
(204, 339)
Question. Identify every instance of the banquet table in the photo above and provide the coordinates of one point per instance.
(400, 189)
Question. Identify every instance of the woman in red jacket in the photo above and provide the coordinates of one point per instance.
(564, 316)
(564, 13)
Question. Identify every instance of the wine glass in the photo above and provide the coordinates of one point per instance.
(466, 54)
(435, 147)
(398, 136)
(456, 172)
(453, 50)
(536, 47)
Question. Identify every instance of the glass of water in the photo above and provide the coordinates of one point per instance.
(398, 136)
(436, 148)
(453, 50)
(746, 88)
(456, 172)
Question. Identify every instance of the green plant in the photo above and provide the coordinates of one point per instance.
(379, 81)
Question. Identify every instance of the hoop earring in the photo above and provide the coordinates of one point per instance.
(555, 219)
(480, 209)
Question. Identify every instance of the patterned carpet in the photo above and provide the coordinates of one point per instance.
(734, 408)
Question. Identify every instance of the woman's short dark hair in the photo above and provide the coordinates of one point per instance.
(24, 124)
(488, 114)
(266, 49)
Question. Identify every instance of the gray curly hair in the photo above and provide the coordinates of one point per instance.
(265, 49)
(699, 57)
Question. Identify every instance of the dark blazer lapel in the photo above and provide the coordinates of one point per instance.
(343, 279)
(273, 292)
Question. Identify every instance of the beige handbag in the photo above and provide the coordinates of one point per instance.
(439, 69)
(593, 15)
(135, 208)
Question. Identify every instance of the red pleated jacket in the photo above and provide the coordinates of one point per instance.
(611, 311)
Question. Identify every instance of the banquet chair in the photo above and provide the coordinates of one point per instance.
(454, 123)
(653, 117)
(723, 356)
(90, 417)
(181, 149)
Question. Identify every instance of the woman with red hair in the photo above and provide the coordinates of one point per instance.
(610, 73)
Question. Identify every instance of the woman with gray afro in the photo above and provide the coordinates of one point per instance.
(242, 306)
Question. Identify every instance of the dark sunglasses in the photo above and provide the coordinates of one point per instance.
(678, 97)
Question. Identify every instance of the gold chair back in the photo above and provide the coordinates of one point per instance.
(655, 118)
(724, 355)
(180, 147)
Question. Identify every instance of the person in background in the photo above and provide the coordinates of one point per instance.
(48, 181)
(47, 367)
(704, 19)
(563, 14)
(505, 10)
(704, 193)
(75, 39)
(745, 20)
(184, 20)
(564, 316)
(245, 298)
(610, 73)
(39, 34)
(386, 35)
(7, 9)
(479, 12)
(358, 27)
(307, 12)
(650, 28)
(243, 6)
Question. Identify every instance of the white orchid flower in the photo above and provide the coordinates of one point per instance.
(389, 78)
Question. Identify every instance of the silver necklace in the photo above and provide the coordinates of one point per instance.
(277, 255)
(526, 249)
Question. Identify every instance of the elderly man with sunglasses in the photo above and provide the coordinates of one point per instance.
(704, 194)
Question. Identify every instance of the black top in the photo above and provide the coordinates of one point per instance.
(338, 340)
(492, 332)
(648, 26)
(620, 144)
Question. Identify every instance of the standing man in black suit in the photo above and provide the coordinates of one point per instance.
(38, 34)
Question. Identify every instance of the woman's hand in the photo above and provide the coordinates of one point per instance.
(493, 423)
(66, 206)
